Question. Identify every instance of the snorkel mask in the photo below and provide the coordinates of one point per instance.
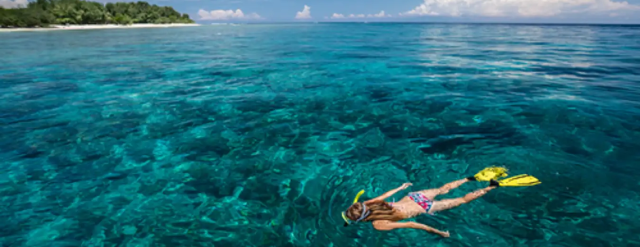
(363, 215)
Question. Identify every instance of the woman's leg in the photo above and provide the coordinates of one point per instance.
(452, 203)
(432, 193)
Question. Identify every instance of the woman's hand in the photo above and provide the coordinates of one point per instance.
(445, 234)
(405, 185)
(389, 193)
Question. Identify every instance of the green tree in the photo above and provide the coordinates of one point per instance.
(122, 19)
(93, 12)
(65, 12)
(39, 13)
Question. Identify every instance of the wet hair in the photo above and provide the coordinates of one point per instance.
(380, 210)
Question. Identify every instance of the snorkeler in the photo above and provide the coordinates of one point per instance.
(385, 215)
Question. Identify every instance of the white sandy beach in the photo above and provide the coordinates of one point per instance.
(89, 27)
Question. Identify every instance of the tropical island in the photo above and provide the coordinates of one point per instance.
(47, 13)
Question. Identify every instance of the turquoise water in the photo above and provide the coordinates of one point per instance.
(259, 135)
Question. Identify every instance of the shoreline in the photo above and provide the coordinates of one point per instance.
(97, 26)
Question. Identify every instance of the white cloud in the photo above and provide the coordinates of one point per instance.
(516, 8)
(305, 13)
(378, 15)
(11, 4)
(220, 14)
(341, 16)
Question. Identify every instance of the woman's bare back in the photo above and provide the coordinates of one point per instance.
(408, 208)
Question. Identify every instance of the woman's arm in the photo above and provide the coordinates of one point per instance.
(385, 225)
(389, 193)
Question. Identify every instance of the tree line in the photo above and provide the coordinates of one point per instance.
(43, 13)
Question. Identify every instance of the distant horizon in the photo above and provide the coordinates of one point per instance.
(417, 22)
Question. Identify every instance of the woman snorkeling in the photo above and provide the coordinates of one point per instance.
(385, 215)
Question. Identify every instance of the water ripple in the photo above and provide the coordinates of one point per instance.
(260, 135)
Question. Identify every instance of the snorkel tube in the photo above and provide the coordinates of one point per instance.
(363, 215)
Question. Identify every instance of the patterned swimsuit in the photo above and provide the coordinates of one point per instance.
(421, 200)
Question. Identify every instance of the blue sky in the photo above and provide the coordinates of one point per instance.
(533, 11)
(557, 11)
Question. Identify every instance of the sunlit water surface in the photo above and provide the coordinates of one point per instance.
(259, 135)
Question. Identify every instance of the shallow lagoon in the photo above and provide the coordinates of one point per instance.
(259, 135)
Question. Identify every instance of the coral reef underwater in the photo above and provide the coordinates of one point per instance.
(260, 135)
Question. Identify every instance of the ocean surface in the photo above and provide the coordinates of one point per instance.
(260, 135)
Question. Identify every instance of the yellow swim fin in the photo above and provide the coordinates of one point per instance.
(519, 180)
(489, 173)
